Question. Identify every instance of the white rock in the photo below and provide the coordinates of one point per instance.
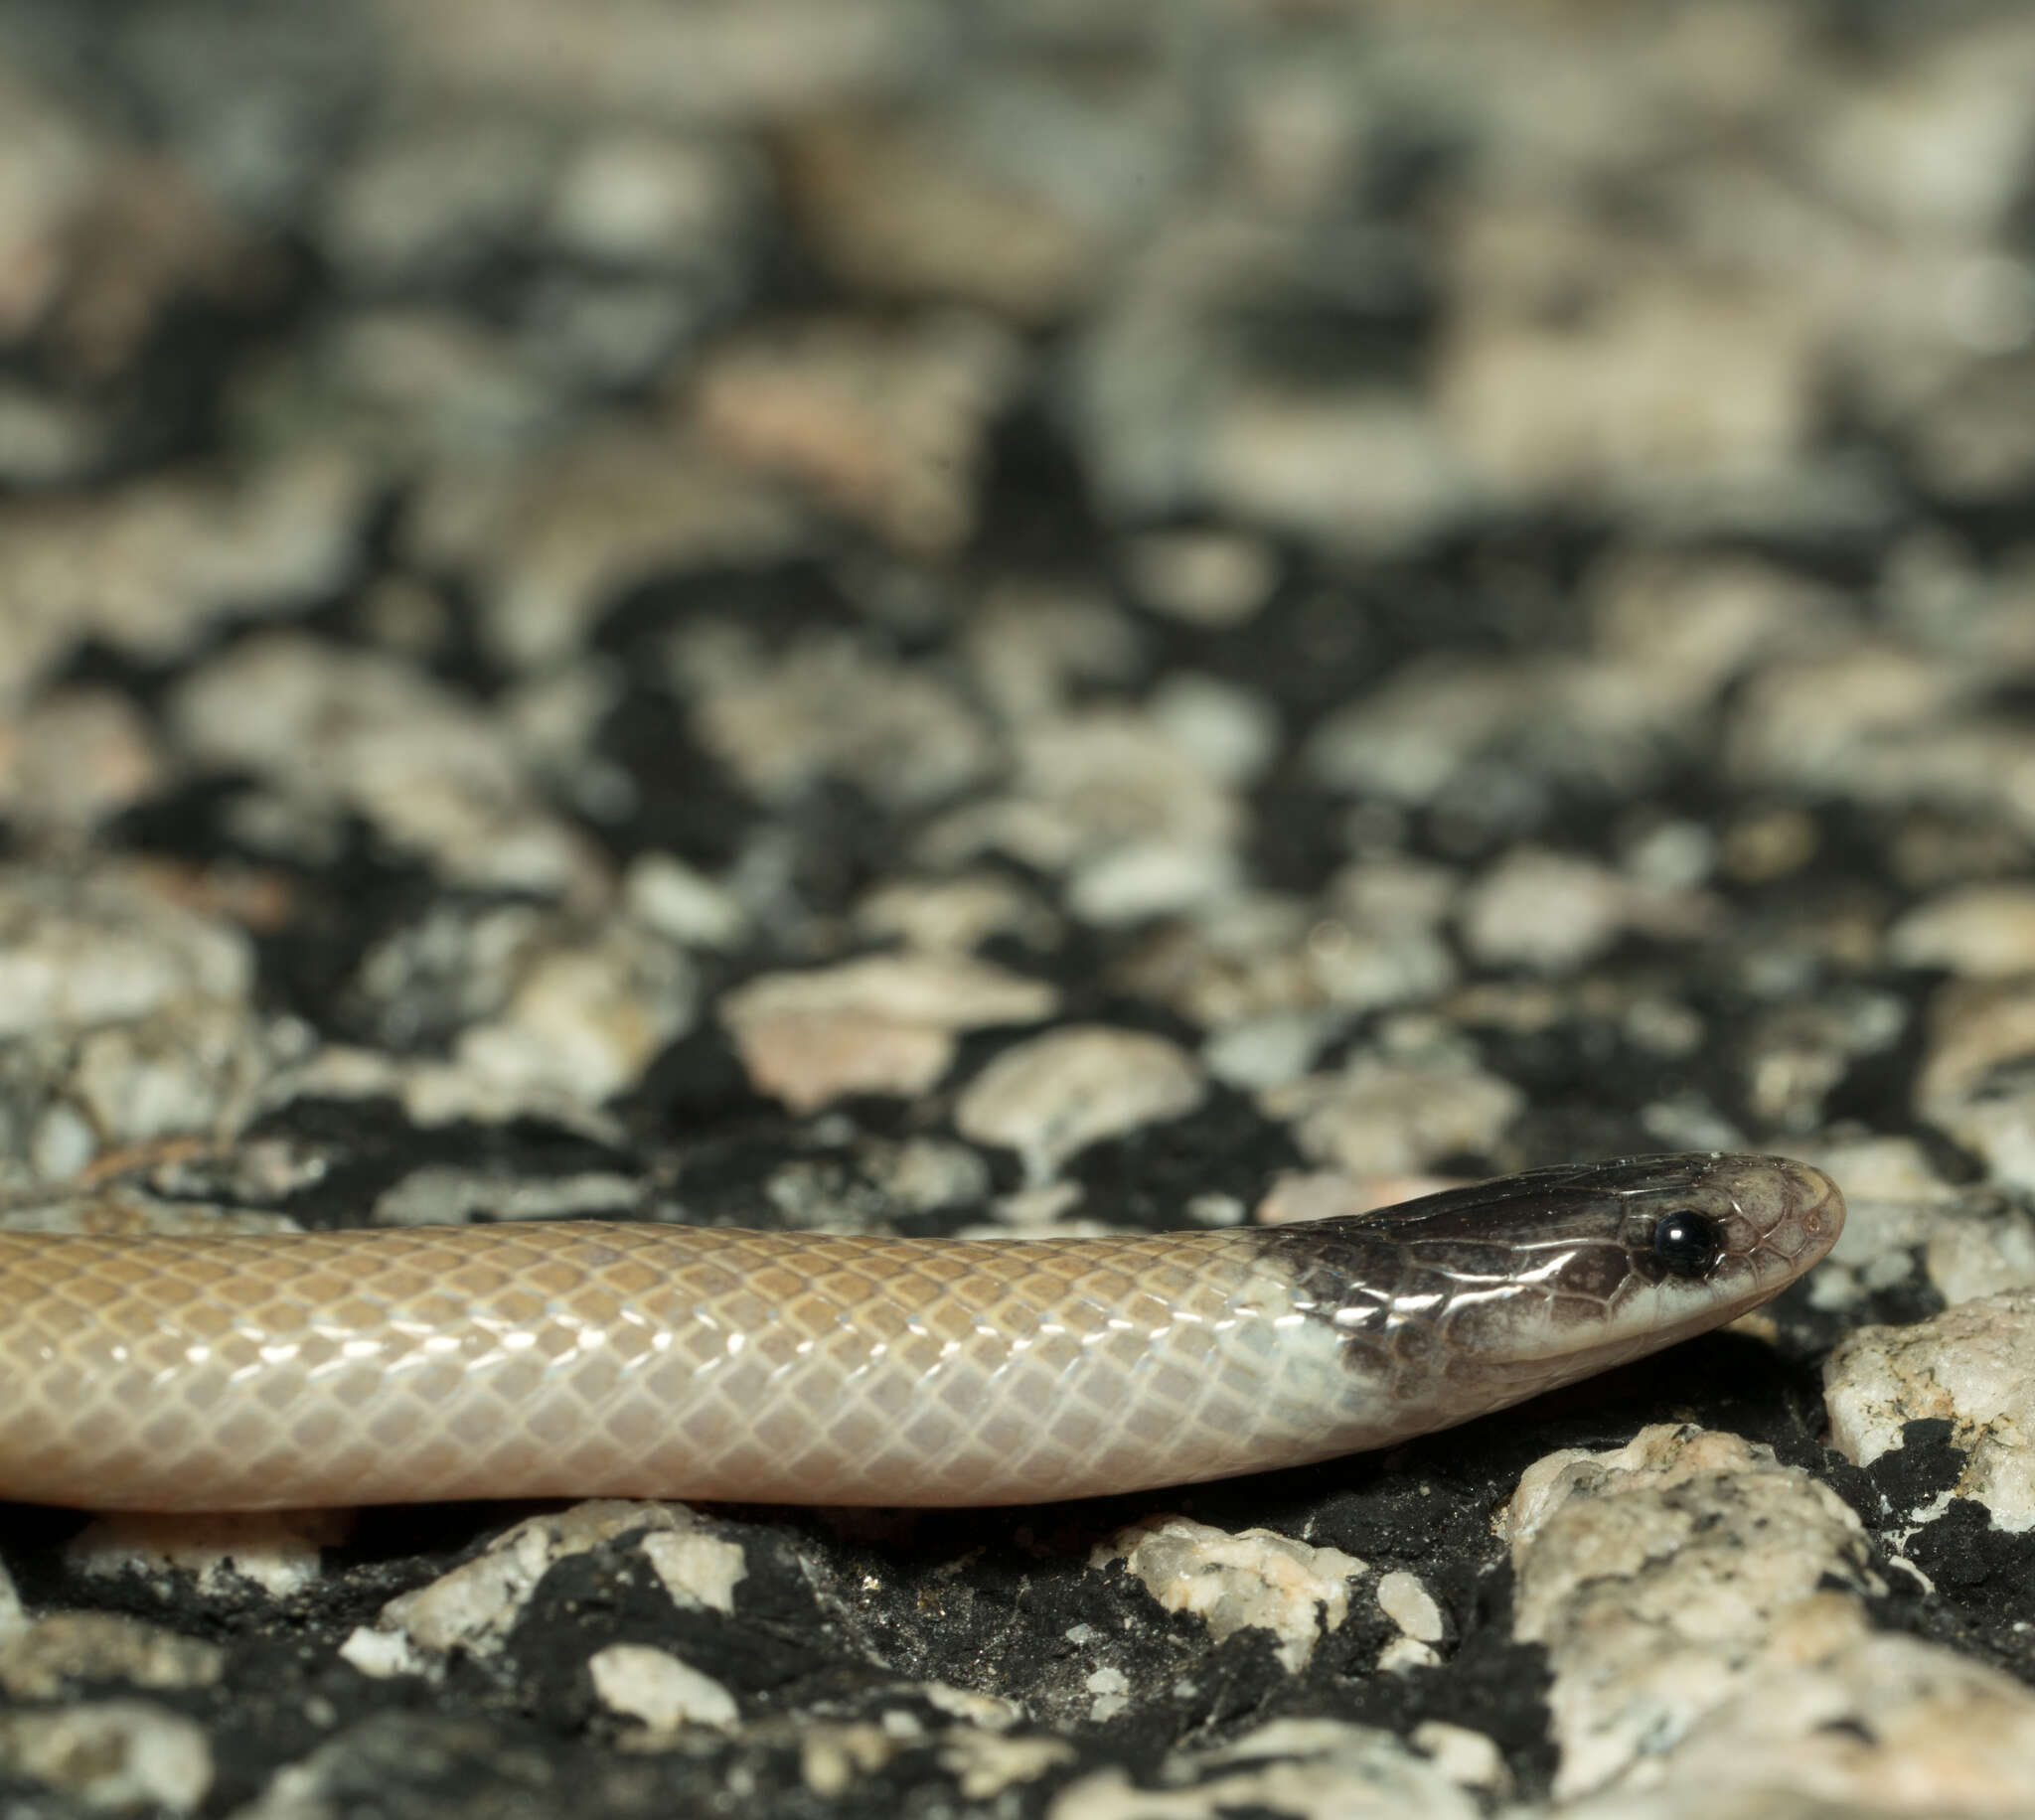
(1548, 911)
(1886, 1726)
(1553, 912)
(1390, 892)
(1979, 1253)
(680, 903)
(1660, 1576)
(1979, 932)
(64, 1649)
(1054, 1094)
(1134, 883)
(1973, 1082)
(101, 946)
(112, 1755)
(634, 194)
(1795, 1054)
(1973, 1365)
(475, 1606)
(76, 757)
(548, 541)
(923, 1174)
(198, 1068)
(1268, 1050)
(1971, 1241)
(1688, 377)
(826, 707)
(382, 1655)
(13, 1619)
(148, 564)
(1404, 1653)
(435, 775)
(1407, 740)
(696, 1566)
(1252, 955)
(954, 915)
(1322, 1768)
(886, 420)
(1389, 1117)
(61, 1143)
(1471, 1759)
(281, 1552)
(1229, 732)
(1884, 726)
(1089, 783)
(1252, 1579)
(984, 1763)
(447, 1196)
(1203, 577)
(435, 1093)
(1112, 1690)
(586, 1016)
(1674, 856)
(656, 1688)
(884, 1024)
(1409, 1604)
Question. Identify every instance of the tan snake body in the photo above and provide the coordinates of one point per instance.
(655, 1360)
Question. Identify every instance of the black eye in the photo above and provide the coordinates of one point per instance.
(1688, 1244)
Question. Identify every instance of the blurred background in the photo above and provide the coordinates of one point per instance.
(1037, 616)
(1258, 515)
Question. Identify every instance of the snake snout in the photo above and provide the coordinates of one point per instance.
(1812, 1213)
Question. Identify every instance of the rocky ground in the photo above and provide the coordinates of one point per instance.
(872, 616)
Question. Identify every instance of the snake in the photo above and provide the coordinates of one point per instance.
(653, 1359)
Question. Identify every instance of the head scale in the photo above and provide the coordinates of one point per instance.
(1621, 1256)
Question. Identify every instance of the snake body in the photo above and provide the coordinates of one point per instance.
(643, 1359)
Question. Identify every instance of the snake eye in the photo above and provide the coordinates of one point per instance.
(1688, 1244)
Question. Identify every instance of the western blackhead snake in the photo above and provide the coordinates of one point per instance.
(658, 1360)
